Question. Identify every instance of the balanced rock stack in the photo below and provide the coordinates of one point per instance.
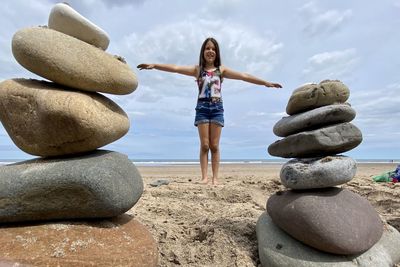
(64, 122)
(315, 223)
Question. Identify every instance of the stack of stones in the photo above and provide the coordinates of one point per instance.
(315, 223)
(63, 122)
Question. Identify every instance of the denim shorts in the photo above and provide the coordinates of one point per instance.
(209, 112)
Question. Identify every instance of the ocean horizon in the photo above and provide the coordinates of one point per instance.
(177, 162)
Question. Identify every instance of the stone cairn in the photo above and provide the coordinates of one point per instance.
(315, 223)
(63, 122)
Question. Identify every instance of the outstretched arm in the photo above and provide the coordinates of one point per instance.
(185, 70)
(231, 74)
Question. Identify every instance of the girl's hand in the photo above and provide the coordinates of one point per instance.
(145, 66)
(275, 85)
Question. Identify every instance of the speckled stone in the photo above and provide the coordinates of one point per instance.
(45, 119)
(120, 241)
(312, 96)
(309, 173)
(71, 62)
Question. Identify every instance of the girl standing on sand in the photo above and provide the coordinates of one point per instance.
(209, 110)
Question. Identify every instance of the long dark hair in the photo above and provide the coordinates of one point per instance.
(217, 61)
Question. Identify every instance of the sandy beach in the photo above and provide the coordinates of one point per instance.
(204, 225)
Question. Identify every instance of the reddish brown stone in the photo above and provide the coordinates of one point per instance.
(333, 220)
(120, 241)
(12, 264)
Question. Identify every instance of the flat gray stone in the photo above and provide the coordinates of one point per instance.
(46, 119)
(322, 142)
(277, 249)
(99, 184)
(159, 182)
(66, 60)
(333, 220)
(312, 96)
(314, 119)
(309, 173)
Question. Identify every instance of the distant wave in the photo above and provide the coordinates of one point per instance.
(244, 161)
(378, 161)
(160, 162)
(6, 162)
(196, 162)
(182, 162)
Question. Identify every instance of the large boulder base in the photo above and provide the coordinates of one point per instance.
(277, 249)
(314, 119)
(95, 185)
(65, 19)
(46, 119)
(322, 142)
(120, 241)
(311, 96)
(309, 173)
(333, 220)
(71, 62)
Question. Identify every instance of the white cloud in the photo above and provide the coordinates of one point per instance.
(224, 3)
(113, 3)
(146, 94)
(221, 8)
(331, 65)
(137, 113)
(86, 6)
(377, 113)
(179, 43)
(318, 22)
(377, 104)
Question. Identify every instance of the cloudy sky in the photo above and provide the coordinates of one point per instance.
(291, 42)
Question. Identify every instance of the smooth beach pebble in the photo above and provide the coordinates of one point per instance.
(333, 220)
(159, 182)
(322, 142)
(65, 19)
(314, 119)
(94, 185)
(46, 119)
(311, 96)
(69, 61)
(309, 173)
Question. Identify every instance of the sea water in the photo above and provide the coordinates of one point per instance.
(180, 162)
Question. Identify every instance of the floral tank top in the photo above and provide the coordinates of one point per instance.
(209, 83)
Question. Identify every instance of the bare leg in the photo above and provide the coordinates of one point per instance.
(204, 147)
(215, 134)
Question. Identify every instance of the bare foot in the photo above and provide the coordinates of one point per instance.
(204, 181)
(214, 182)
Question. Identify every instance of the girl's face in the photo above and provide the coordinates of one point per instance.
(209, 53)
